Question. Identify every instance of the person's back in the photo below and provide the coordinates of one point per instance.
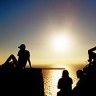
(23, 56)
(65, 85)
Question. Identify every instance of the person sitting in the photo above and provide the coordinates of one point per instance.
(23, 57)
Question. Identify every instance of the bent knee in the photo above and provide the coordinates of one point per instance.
(12, 55)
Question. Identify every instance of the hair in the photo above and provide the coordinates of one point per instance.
(65, 73)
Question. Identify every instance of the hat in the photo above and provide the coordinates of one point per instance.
(22, 46)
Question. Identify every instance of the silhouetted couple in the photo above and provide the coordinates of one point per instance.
(65, 84)
(23, 57)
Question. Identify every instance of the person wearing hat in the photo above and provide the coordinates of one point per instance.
(23, 57)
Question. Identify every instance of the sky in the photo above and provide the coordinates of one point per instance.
(56, 32)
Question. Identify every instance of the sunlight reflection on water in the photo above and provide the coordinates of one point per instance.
(51, 78)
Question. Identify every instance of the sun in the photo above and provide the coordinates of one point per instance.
(61, 43)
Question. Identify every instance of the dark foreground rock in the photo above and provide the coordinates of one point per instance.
(27, 82)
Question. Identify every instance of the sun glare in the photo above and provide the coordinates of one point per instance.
(61, 42)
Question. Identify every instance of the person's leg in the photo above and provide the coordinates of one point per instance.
(11, 57)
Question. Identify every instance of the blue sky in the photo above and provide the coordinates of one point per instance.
(36, 22)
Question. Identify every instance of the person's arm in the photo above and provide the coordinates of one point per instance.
(59, 84)
(92, 49)
(29, 62)
(29, 58)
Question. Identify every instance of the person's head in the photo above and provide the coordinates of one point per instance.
(79, 73)
(22, 47)
(65, 73)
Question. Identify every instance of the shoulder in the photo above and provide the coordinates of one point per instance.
(27, 51)
(60, 79)
(71, 80)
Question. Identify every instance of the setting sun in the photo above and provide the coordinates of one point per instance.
(61, 42)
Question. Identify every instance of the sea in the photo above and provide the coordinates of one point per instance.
(52, 75)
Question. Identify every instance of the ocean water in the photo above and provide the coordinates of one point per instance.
(51, 78)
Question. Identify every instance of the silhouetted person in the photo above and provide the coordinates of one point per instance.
(92, 54)
(65, 84)
(23, 57)
(79, 89)
(80, 76)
